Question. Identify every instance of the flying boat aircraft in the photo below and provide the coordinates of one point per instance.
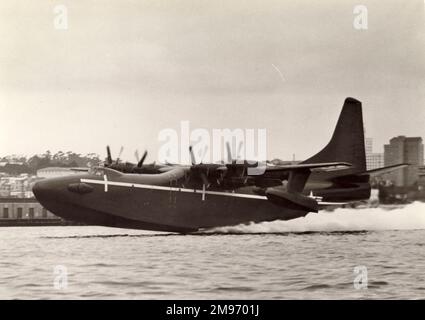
(187, 198)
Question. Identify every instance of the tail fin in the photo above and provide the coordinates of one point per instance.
(347, 142)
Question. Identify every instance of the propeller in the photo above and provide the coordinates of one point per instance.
(232, 163)
(141, 161)
(192, 156)
(231, 172)
(229, 153)
(204, 152)
(222, 170)
(199, 169)
(119, 155)
(230, 158)
(205, 179)
(109, 157)
(238, 155)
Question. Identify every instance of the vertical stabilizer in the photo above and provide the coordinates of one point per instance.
(347, 142)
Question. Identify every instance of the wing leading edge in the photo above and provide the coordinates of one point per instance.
(305, 166)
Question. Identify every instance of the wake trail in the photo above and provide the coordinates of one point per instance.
(408, 217)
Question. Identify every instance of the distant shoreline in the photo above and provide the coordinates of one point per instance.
(36, 222)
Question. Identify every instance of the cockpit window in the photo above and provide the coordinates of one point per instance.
(97, 171)
(100, 171)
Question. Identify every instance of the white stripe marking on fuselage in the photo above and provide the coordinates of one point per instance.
(105, 178)
(107, 183)
(153, 187)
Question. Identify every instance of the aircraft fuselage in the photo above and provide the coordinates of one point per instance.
(152, 202)
(159, 202)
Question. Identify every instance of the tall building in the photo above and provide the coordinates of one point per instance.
(421, 181)
(373, 160)
(368, 145)
(403, 149)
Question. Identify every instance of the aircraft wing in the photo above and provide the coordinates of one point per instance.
(290, 167)
(387, 169)
(168, 168)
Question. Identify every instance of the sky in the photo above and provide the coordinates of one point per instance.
(125, 70)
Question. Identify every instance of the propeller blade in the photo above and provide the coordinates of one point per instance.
(119, 155)
(205, 180)
(192, 156)
(229, 153)
(109, 157)
(238, 155)
(204, 153)
(136, 154)
(140, 163)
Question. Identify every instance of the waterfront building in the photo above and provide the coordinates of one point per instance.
(23, 208)
(373, 160)
(403, 149)
(17, 186)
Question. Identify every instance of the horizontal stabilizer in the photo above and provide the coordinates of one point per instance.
(387, 169)
(326, 204)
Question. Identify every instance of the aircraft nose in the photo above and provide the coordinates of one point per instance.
(40, 189)
(47, 190)
(52, 194)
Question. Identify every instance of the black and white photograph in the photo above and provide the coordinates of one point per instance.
(240, 150)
